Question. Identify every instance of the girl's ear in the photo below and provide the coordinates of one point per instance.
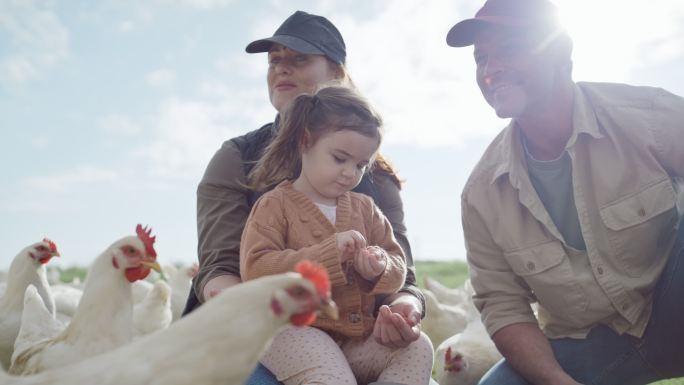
(305, 142)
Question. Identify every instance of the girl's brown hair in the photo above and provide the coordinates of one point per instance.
(308, 117)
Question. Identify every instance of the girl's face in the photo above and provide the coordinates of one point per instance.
(291, 74)
(334, 164)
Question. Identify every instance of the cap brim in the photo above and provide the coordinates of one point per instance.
(464, 32)
(291, 42)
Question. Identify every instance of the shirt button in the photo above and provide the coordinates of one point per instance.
(317, 233)
(625, 306)
(599, 269)
(354, 317)
(641, 212)
(304, 218)
(531, 266)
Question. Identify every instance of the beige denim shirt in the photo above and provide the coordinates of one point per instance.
(627, 144)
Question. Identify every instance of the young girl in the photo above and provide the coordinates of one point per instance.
(325, 144)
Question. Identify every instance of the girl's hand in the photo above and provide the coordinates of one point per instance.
(350, 243)
(371, 262)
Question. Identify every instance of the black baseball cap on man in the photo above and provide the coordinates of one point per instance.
(532, 15)
(305, 33)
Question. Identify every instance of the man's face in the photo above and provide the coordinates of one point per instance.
(515, 75)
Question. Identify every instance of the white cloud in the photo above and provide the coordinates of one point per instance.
(119, 125)
(126, 26)
(161, 78)
(189, 131)
(70, 180)
(38, 41)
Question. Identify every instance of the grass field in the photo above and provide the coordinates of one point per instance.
(453, 274)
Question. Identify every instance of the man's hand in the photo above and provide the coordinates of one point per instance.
(398, 324)
(370, 262)
(215, 285)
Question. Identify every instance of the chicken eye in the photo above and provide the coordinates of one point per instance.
(131, 250)
(41, 248)
(299, 291)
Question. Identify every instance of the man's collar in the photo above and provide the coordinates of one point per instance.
(584, 121)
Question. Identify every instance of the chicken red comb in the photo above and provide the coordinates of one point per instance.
(144, 235)
(315, 273)
(53, 247)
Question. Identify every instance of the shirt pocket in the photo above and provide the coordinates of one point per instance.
(547, 271)
(637, 226)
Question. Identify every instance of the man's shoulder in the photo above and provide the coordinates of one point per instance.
(609, 95)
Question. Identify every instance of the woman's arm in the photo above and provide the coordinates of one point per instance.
(222, 210)
(387, 197)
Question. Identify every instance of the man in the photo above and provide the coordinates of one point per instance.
(572, 206)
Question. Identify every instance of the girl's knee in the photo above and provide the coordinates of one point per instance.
(423, 344)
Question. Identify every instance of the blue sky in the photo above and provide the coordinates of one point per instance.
(110, 110)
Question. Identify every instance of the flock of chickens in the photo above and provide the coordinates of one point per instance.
(464, 351)
(118, 328)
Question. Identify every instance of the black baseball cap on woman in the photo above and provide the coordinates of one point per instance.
(305, 33)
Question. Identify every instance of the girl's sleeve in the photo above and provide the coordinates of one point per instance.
(263, 246)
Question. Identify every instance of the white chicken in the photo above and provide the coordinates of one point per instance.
(442, 321)
(67, 299)
(53, 275)
(27, 268)
(446, 295)
(37, 323)
(103, 320)
(140, 290)
(211, 346)
(465, 357)
(154, 312)
(180, 281)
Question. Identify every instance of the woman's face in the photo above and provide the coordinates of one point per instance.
(291, 74)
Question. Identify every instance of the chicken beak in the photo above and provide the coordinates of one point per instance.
(154, 265)
(329, 308)
(55, 253)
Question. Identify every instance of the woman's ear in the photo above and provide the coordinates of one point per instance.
(339, 73)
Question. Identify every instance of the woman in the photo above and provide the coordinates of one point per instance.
(305, 52)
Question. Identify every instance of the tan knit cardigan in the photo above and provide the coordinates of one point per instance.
(285, 227)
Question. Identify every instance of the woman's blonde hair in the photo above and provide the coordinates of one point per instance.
(330, 109)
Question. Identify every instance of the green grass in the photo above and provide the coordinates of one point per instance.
(453, 274)
(67, 275)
